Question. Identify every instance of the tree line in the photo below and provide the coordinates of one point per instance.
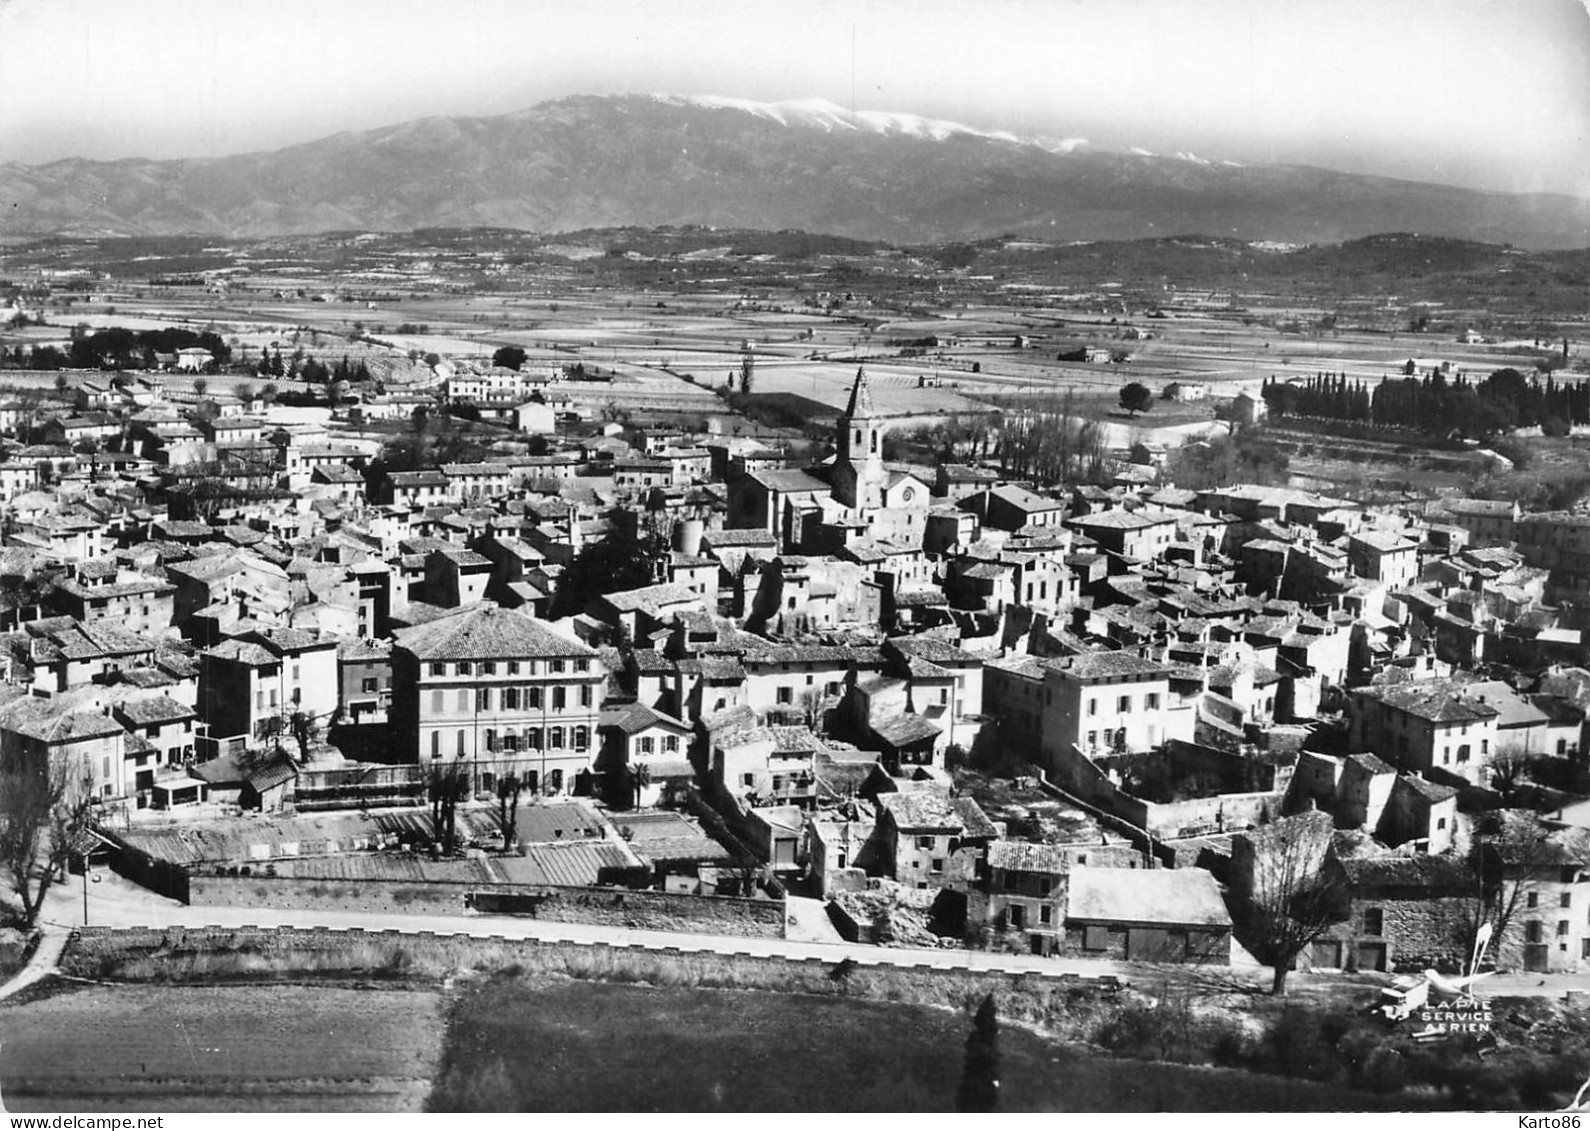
(117, 348)
(1438, 404)
(1051, 442)
(312, 369)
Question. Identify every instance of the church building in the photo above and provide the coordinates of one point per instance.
(823, 509)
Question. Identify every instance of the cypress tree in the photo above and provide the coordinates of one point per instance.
(979, 1089)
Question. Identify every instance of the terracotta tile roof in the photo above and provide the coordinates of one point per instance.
(932, 809)
(1024, 856)
(1104, 665)
(244, 652)
(1118, 520)
(580, 864)
(271, 774)
(154, 709)
(1370, 764)
(1432, 875)
(1432, 792)
(1437, 700)
(1176, 897)
(667, 837)
(487, 632)
(637, 717)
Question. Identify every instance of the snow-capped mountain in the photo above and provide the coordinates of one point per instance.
(821, 114)
(597, 161)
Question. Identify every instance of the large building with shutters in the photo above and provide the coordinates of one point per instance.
(491, 692)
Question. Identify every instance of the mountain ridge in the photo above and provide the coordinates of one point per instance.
(585, 161)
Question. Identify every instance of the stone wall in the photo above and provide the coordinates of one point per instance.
(1425, 932)
(1223, 813)
(294, 893)
(1075, 772)
(180, 954)
(1417, 933)
(616, 907)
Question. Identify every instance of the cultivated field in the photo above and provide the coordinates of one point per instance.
(118, 1049)
(669, 316)
(550, 1044)
(695, 320)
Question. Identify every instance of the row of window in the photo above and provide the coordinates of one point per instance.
(1463, 751)
(531, 779)
(1115, 739)
(511, 741)
(1123, 703)
(1043, 590)
(511, 667)
(787, 694)
(1564, 899)
(99, 603)
(1016, 913)
(511, 698)
(174, 756)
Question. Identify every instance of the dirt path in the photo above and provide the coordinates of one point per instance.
(46, 956)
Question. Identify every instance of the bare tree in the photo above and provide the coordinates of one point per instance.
(302, 726)
(272, 729)
(1513, 853)
(1048, 440)
(448, 784)
(1294, 892)
(42, 811)
(811, 705)
(1509, 766)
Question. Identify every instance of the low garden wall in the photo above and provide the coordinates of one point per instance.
(613, 907)
(640, 910)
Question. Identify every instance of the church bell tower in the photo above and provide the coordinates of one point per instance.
(859, 474)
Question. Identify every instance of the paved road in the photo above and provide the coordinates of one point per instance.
(114, 901)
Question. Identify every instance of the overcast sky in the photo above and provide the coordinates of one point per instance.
(1486, 93)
